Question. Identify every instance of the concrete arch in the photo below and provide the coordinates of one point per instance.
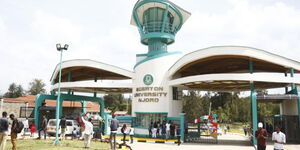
(85, 69)
(233, 54)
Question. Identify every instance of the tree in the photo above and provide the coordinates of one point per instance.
(14, 90)
(36, 86)
(195, 106)
(114, 102)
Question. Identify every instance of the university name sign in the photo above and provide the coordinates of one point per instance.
(149, 94)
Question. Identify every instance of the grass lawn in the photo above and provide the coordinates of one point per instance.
(32, 144)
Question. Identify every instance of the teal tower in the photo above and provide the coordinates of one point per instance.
(158, 22)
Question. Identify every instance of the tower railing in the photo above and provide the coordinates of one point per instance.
(156, 26)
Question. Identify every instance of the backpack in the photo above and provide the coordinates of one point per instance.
(19, 126)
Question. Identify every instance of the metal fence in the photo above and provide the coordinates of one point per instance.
(26, 112)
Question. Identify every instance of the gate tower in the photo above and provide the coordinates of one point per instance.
(158, 21)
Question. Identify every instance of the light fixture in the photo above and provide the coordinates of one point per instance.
(58, 47)
(66, 47)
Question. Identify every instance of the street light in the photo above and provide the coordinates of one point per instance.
(59, 48)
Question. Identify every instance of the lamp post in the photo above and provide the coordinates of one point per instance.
(59, 48)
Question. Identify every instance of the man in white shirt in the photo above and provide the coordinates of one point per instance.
(278, 138)
(88, 132)
(26, 126)
(168, 129)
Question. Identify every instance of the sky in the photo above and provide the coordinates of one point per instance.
(100, 30)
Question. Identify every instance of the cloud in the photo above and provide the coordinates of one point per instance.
(2, 29)
(54, 28)
(274, 27)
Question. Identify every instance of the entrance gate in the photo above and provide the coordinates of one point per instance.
(201, 133)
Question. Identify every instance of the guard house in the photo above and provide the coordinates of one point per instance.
(160, 75)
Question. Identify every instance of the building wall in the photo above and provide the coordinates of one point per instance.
(158, 68)
(289, 107)
(12, 107)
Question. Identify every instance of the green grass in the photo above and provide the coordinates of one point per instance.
(48, 145)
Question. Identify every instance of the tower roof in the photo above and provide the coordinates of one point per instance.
(157, 3)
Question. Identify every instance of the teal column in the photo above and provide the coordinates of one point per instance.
(182, 126)
(106, 124)
(69, 80)
(254, 112)
(52, 92)
(101, 103)
(165, 19)
(292, 75)
(83, 104)
(253, 104)
(38, 103)
(298, 103)
(95, 93)
(286, 88)
(61, 108)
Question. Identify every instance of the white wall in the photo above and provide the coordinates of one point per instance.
(158, 68)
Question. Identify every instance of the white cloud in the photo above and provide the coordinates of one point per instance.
(106, 36)
(54, 28)
(274, 27)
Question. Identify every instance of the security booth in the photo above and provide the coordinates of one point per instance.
(288, 125)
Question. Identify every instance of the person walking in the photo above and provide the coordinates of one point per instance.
(114, 125)
(278, 138)
(168, 129)
(225, 129)
(150, 129)
(13, 133)
(32, 129)
(245, 130)
(154, 130)
(172, 130)
(261, 135)
(43, 127)
(26, 126)
(163, 129)
(3, 130)
(131, 134)
(158, 128)
(123, 130)
(88, 132)
(63, 125)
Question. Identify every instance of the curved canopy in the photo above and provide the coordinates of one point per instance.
(231, 59)
(227, 68)
(84, 69)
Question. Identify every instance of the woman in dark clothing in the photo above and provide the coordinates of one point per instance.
(150, 129)
(123, 130)
(172, 130)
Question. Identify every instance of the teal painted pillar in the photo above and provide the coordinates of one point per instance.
(253, 104)
(38, 103)
(298, 103)
(182, 115)
(69, 80)
(95, 93)
(254, 111)
(83, 104)
(292, 75)
(101, 103)
(52, 92)
(61, 108)
(106, 124)
(286, 88)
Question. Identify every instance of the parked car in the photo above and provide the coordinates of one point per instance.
(71, 124)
